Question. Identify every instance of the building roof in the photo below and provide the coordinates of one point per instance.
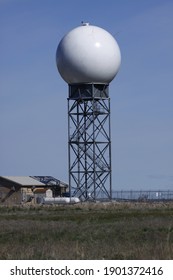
(23, 180)
(31, 181)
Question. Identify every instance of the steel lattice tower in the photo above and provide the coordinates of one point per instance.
(89, 142)
(88, 59)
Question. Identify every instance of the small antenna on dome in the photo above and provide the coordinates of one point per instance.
(85, 23)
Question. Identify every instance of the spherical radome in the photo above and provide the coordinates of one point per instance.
(88, 54)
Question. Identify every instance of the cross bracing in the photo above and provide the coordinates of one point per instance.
(89, 144)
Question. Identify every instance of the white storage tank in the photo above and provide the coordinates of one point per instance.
(60, 200)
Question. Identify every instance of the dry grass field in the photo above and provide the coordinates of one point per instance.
(87, 231)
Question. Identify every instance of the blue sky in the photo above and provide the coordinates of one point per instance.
(33, 97)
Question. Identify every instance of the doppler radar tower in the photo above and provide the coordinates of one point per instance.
(88, 58)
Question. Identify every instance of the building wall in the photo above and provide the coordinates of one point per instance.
(18, 195)
(26, 195)
(10, 197)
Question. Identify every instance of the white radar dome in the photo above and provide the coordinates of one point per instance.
(88, 54)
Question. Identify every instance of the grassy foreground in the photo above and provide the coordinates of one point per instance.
(87, 231)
